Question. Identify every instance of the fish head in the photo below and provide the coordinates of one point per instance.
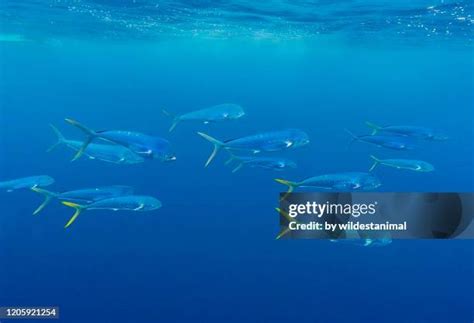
(426, 167)
(399, 143)
(298, 138)
(171, 157)
(161, 149)
(233, 111)
(152, 203)
(45, 181)
(288, 164)
(439, 137)
(369, 182)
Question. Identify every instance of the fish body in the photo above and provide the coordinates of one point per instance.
(386, 141)
(273, 163)
(377, 242)
(27, 182)
(351, 181)
(148, 147)
(83, 196)
(111, 153)
(216, 113)
(408, 131)
(409, 164)
(266, 141)
(96, 194)
(126, 203)
(269, 141)
(135, 203)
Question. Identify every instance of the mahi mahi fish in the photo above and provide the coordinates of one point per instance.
(387, 141)
(122, 203)
(340, 181)
(27, 182)
(111, 153)
(220, 112)
(273, 163)
(265, 141)
(410, 164)
(408, 131)
(146, 146)
(82, 196)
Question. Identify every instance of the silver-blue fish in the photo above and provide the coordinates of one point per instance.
(220, 112)
(111, 153)
(352, 181)
(409, 164)
(135, 203)
(265, 141)
(148, 147)
(386, 141)
(273, 163)
(82, 196)
(371, 239)
(26, 182)
(409, 131)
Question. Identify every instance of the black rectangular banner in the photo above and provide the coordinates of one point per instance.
(376, 217)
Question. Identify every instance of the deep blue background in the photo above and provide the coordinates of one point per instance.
(210, 252)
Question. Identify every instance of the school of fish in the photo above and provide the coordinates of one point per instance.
(130, 147)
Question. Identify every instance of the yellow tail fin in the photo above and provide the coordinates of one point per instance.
(78, 209)
(217, 146)
(376, 162)
(291, 186)
(91, 134)
(375, 128)
(289, 218)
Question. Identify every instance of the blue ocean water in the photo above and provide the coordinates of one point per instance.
(210, 254)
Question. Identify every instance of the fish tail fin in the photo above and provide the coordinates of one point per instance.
(287, 216)
(376, 162)
(217, 146)
(91, 134)
(291, 186)
(353, 136)
(375, 128)
(232, 157)
(78, 209)
(48, 196)
(60, 139)
(239, 166)
(176, 119)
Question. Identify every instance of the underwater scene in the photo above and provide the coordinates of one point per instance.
(144, 145)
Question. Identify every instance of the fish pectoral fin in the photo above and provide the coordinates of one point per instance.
(289, 143)
(140, 207)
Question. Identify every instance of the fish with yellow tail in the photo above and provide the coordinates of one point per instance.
(82, 196)
(265, 141)
(351, 181)
(136, 203)
(145, 146)
(216, 113)
(408, 164)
